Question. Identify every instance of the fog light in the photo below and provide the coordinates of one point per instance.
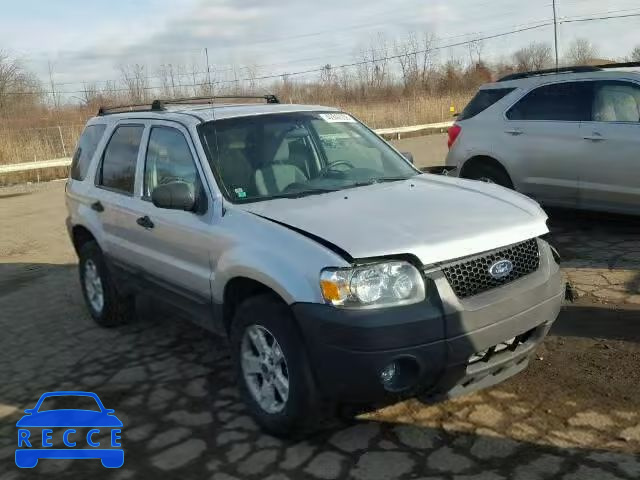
(388, 374)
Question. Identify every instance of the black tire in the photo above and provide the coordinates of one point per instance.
(117, 309)
(488, 172)
(300, 412)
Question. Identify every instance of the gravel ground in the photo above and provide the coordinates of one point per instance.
(574, 414)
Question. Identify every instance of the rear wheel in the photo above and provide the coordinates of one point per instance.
(107, 306)
(489, 173)
(273, 371)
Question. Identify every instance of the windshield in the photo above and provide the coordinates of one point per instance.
(297, 154)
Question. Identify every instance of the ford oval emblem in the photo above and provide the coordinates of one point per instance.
(501, 269)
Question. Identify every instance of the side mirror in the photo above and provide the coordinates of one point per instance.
(174, 196)
(408, 156)
(455, 114)
(109, 411)
(29, 411)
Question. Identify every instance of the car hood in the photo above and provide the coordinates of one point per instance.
(432, 217)
(69, 418)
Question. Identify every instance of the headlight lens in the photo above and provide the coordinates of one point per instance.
(375, 285)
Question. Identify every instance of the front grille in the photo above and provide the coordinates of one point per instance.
(471, 276)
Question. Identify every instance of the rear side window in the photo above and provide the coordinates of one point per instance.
(483, 100)
(85, 150)
(118, 168)
(570, 101)
(616, 101)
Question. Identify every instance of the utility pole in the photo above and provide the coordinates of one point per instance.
(206, 54)
(555, 31)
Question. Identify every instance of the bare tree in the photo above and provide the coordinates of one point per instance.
(415, 57)
(253, 72)
(135, 81)
(373, 70)
(581, 51)
(635, 54)
(535, 56)
(476, 47)
(18, 87)
(52, 85)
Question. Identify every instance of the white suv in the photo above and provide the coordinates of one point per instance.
(568, 138)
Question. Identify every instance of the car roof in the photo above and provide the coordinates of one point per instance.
(535, 80)
(196, 114)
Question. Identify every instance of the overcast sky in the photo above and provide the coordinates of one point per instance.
(86, 40)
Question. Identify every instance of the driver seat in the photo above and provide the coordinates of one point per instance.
(273, 179)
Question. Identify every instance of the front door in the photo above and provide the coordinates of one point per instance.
(542, 134)
(171, 248)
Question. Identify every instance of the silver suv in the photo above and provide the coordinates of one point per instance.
(568, 138)
(339, 273)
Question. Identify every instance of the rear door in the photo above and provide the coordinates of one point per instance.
(115, 187)
(170, 248)
(610, 176)
(542, 141)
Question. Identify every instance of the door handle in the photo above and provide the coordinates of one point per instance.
(514, 131)
(595, 137)
(97, 206)
(145, 222)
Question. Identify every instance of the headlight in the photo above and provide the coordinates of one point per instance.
(376, 285)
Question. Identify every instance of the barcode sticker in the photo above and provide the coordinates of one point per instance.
(337, 118)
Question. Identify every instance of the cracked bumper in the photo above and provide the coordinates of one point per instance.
(349, 348)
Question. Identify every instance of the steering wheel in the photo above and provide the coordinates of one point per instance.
(332, 167)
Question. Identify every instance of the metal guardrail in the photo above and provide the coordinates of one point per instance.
(65, 162)
(413, 128)
(26, 166)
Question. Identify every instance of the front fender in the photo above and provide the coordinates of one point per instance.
(293, 281)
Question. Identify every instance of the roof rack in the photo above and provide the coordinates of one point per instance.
(574, 69)
(159, 105)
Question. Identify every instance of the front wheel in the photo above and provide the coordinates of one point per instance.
(273, 371)
(490, 174)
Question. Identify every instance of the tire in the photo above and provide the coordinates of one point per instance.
(115, 308)
(489, 173)
(302, 403)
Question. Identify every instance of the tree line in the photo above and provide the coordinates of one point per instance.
(382, 70)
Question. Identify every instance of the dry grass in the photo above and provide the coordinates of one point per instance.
(407, 111)
(47, 141)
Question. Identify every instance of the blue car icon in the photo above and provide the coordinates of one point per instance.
(37, 427)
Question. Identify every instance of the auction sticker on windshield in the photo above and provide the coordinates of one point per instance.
(337, 118)
(69, 425)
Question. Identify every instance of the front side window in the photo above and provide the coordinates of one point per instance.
(570, 101)
(296, 154)
(85, 150)
(118, 169)
(616, 101)
(168, 160)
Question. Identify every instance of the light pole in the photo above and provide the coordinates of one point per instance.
(555, 31)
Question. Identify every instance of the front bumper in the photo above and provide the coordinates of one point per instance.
(348, 349)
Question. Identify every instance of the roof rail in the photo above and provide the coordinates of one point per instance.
(159, 105)
(206, 100)
(548, 71)
(154, 106)
(574, 69)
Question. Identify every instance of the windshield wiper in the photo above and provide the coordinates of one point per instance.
(304, 193)
(374, 180)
